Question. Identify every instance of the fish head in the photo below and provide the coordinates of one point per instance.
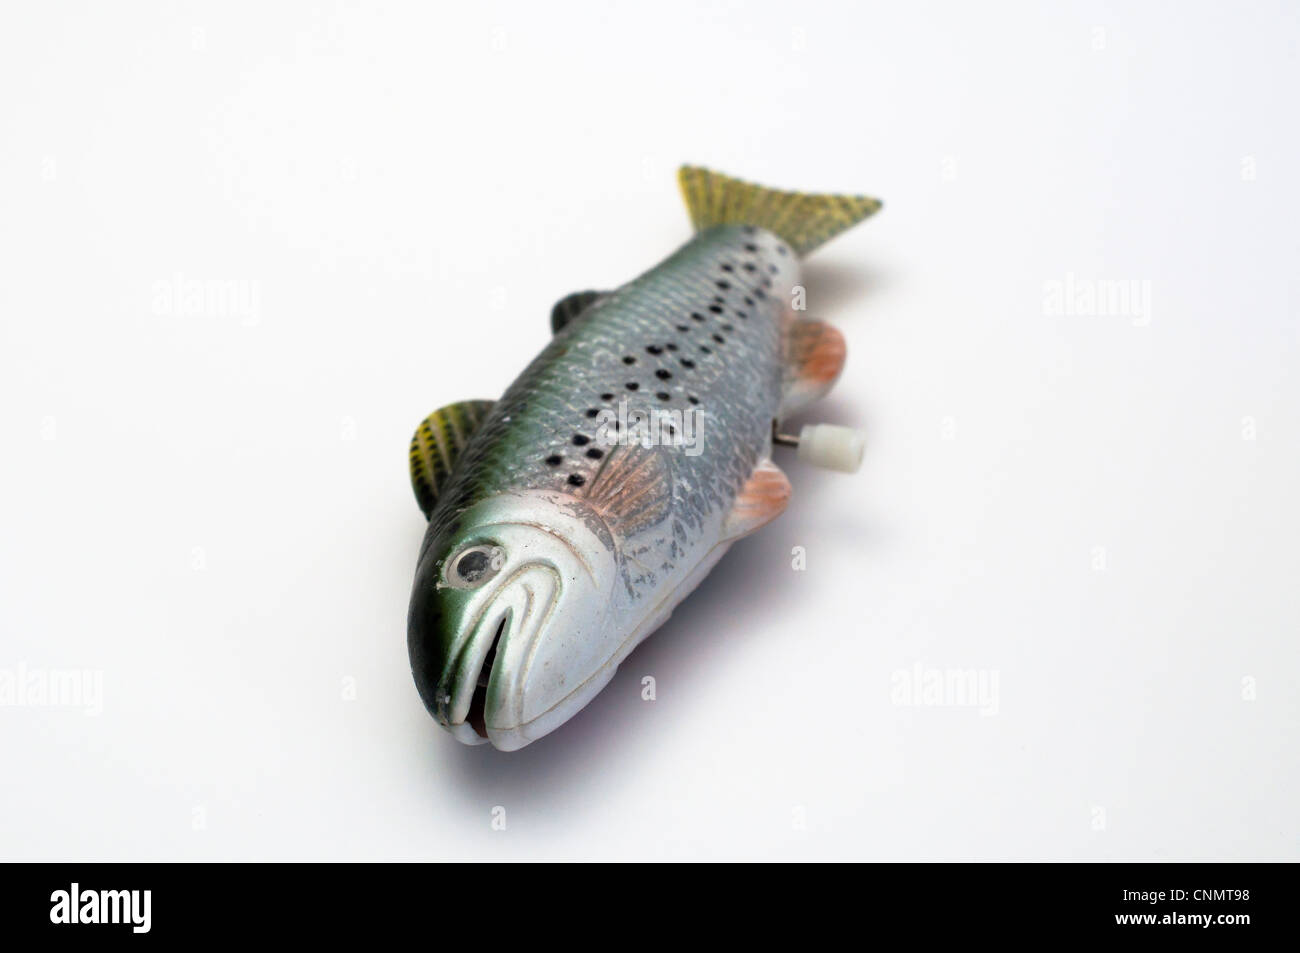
(509, 628)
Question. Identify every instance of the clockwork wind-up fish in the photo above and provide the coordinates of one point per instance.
(569, 517)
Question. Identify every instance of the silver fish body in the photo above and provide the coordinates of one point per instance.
(598, 491)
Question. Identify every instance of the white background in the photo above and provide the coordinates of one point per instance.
(212, 508)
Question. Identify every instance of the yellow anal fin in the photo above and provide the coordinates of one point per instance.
(804, 220)
(814, 358)
(762, 499)
(437, 444)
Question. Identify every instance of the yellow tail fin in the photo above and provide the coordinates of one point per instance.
(804, 221)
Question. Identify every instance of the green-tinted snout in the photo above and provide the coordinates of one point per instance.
(509, 628)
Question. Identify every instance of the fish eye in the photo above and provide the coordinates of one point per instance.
(474, 566)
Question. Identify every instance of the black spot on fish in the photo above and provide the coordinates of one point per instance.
(664, 395)
(724, 285)
(629, 359)
(593, 412)
(683, 328)
(671, 346)
(751, 247)
(705, 349)
(576, 479)
(697, 316)
(632, 385)
(720, 339)
(749, 266)
(687, 363)
(555, 459)
(662, 374)
(727, 268)
(606, 396)
(581, 440)
(692, 398)
(655, 349)
(716, 309)
(595, 453)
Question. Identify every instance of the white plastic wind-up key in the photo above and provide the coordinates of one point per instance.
(832, 446)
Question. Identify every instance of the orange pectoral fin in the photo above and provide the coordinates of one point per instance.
(814, 358)
(762, 499)
(633, 488)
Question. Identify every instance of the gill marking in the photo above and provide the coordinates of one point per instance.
(453, 671)
(550, 532)
(509, 581)
(518, 693)
(536, 644)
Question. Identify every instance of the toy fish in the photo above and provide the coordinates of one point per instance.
(569, 517)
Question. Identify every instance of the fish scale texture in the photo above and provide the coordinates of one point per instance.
(701, 332)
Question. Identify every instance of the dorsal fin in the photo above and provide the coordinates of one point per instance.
(573, 306)
(437, 444)
(814, 358)
(804, 220)
(762, 499)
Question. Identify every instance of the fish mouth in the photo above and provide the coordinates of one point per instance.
(486, 685)
(477, 717)
(509, 653)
